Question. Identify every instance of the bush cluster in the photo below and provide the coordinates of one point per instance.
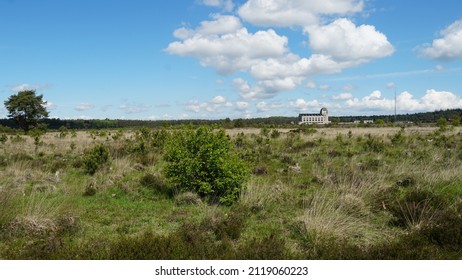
(95, 158)
(203, 161)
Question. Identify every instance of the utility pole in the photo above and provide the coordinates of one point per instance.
(395, 103)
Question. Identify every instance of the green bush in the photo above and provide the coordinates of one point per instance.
(203, 161)
(3, 138)
(373, 144)
(95, 158)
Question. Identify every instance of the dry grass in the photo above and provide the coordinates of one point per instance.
(259, 193)
(325, 217)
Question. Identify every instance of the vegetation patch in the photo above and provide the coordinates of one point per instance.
(203, 161)
(245, 193)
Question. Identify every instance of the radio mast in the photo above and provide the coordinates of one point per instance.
(395, 103)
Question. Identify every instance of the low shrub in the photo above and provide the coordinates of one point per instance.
(95, 158)
(275, 134)
(272, 247)
(446, 229)
(203, 161)
(229, 226)
(373, 144)
(3, 138)
(415, 208)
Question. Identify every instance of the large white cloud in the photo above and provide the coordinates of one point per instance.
(302, 105)
(294, 66)
(230, 48)
(449, 47)
(250, 92)
(373, 102)
(432, 100)
(295, 12)
(344, 41)
(337, 46)
(224, 44)
(437, 100)
(212, 106)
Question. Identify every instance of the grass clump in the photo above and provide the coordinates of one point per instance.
(155, 182)
(188, 198)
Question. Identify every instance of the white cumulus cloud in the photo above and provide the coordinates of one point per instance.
(84, 107)
(229, 48)
(344, 41)
(219, 100)
(228, 5)
(225, 44)
(263, 106)
(220, 25)
(449, 46)
(214, 105)
(22, 87)
(288, 13)
(342, 96)
(432, 100)
(302, 105)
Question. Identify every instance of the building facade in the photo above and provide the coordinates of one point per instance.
(321, 118)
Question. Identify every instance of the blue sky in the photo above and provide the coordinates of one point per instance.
(212, 59)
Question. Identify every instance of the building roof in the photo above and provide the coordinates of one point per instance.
(310, 115)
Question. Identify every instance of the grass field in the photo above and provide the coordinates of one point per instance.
(316, 193)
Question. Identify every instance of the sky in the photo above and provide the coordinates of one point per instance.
(216, 59)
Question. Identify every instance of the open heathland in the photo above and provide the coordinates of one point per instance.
(198, 193)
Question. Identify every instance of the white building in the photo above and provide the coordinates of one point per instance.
(321, 118)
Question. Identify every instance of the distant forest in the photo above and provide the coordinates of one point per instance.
(417, 118)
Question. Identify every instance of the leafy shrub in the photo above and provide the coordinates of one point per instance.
(17, 139)
(264, 131)
(63, 132)
(3, 138)
(95, 158)
(204, 162)
(275, 134)
(398, 137)
(240, 141)
(373, 144)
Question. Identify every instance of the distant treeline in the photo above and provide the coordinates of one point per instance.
(429, 117)
(107, 123)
